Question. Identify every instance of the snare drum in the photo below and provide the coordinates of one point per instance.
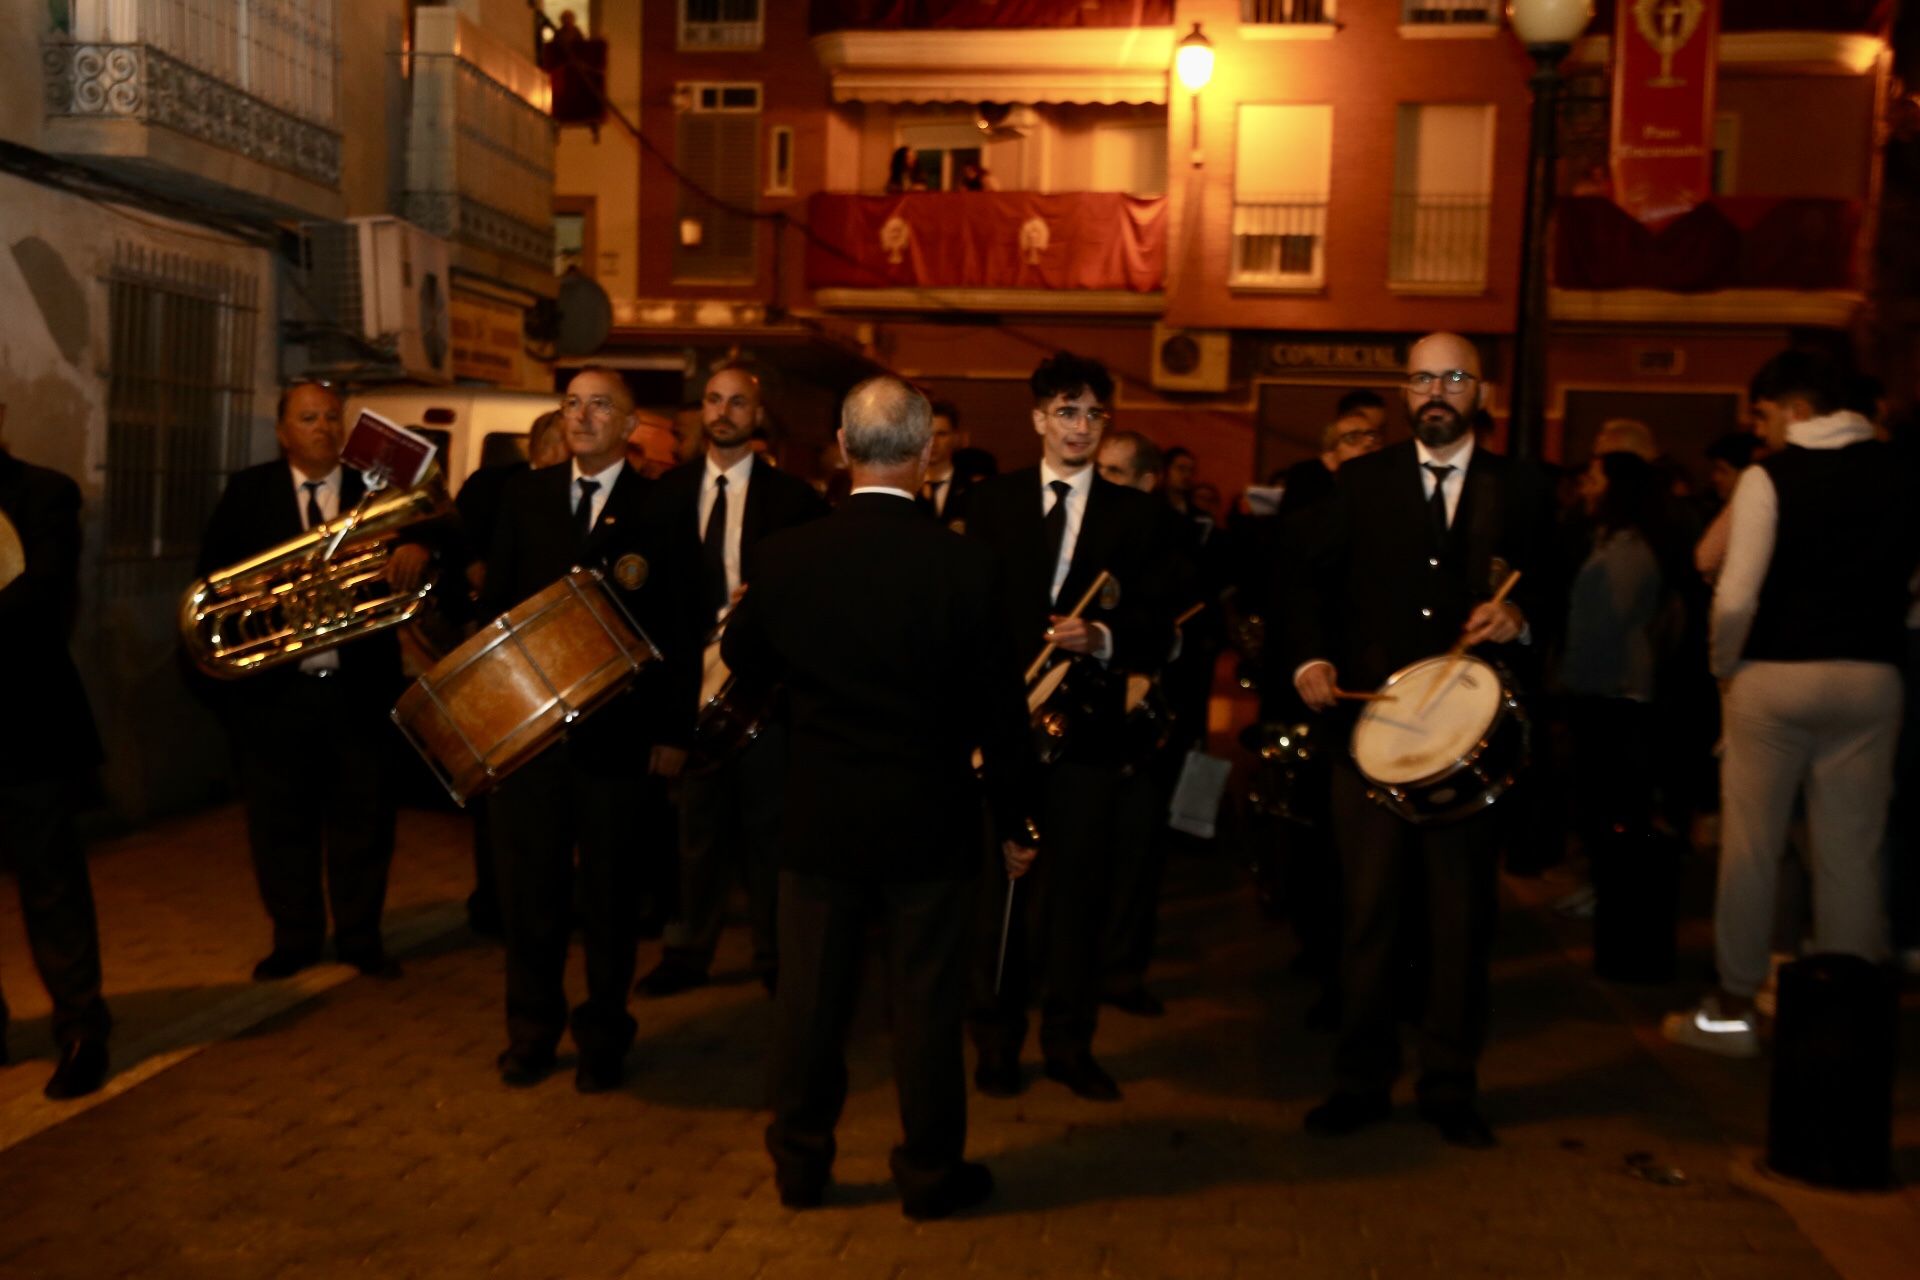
(1434, 755)
(512, 688)
(732, 715)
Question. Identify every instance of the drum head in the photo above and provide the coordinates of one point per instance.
(713, 674)
(1398, 744)
(1138, 687)
(1044, 687)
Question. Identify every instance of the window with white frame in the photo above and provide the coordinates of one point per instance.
(1285, 12)
(1444, 12)
(716, 145)
(1283, 165)
(720, 24)
(1442, 197)
(780, 160)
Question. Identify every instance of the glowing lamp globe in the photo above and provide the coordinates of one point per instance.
(1539, 22)
(1193, 60)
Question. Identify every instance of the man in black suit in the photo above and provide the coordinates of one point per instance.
(1401, 564)
(311, 740)
(1052, 529)
(851, 614)
(713, 514)
(943, 493)
(45, 758)
(578, 794)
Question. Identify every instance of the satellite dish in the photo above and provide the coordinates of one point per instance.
(585, 315)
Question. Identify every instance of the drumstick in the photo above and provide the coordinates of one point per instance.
(1346, 695)
(1039, 663)
(1188, 616)
(1006, 927)
(1459, 650)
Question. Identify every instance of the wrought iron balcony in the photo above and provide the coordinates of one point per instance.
(253, 77)
(1273, 13)
(1439, 244)
(479, 142)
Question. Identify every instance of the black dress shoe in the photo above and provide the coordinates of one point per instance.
(670, 978)
(1460, 1125)
(1345, 1113)
(1083, 1075)
(998, 1077)
(82, 1069)
(374, 964)
(523, 1068)
(284, 964)
(599, 1072)
(801, 1193)
(968, 1185)
(1138, 1001)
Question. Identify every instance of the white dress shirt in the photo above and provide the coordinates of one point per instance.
(1456, 479)
(1076, 500)
(604, 479)
(739, 476)
(879, 488)
(327, 498)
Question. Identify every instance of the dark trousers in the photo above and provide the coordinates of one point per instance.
(824, 925)
(315, 764)
(1386, 863)
(1059, 921)
(1613, 760)
(56, 900)
(1903, 818)
(483, 904)
(548, 812)
(1139, 857)
(730, 827)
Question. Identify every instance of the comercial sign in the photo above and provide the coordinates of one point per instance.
(488, 340)
(1664, 56)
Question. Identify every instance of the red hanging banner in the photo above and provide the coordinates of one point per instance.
(1665, 53)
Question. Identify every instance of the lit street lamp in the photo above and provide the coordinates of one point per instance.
(1548, 29)
(1193, 64)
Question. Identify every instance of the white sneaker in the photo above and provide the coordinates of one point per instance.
(1707, 1029)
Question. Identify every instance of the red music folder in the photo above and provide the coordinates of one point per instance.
(384, 449)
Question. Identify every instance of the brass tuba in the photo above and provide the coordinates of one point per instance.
(310, 593)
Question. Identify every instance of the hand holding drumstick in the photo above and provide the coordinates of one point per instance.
(1494, 621)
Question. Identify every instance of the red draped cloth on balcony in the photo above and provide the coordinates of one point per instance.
(922, 15)
(1729, 242)
(987, 240)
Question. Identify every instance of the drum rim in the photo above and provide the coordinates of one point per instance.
(1504, 708)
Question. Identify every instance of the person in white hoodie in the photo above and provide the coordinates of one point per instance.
(1807, 636)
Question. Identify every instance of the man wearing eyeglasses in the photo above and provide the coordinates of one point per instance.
(1402, 563)
(1053, 528)
(567, 816)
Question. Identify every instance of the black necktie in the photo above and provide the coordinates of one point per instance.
(1054, 527)
(1437, 504)
(583, 512)
(713, 548)
(930, 495)
(314, 518)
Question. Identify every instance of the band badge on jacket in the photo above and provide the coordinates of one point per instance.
(630, 571)
(1110, 594)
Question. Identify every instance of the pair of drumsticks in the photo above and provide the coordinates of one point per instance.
(1454, 655)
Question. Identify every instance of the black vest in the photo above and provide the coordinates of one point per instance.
(1836, 588)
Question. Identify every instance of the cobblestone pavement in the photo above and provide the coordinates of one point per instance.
(361, 1129)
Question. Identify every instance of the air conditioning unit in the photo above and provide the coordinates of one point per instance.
(386, 279)
(1190, 359)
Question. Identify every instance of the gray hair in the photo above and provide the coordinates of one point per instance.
(886, 423)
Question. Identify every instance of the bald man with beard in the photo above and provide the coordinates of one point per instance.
(1403, 565)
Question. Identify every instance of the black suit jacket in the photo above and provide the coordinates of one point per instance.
(775, 501)
(1120, 533)
(51, 730)
(1363, 592)
(534, 546)
(953, 512)
(884, 628)
(257, 510)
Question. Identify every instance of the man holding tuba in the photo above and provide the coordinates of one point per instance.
(311, 740)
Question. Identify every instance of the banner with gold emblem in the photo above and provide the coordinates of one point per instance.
(1664, 58)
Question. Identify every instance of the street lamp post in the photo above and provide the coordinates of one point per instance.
(1548, 29)
(1193, 65)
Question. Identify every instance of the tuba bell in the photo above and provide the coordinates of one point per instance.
(310, 593)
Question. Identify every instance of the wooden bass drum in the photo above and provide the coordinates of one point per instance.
(513, 687)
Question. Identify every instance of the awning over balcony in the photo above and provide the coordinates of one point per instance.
(988, 240)
(1106, 65)
(886, 15)
(1730, 242)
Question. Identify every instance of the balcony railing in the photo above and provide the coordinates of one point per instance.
(1729, 242)
(479, 142)
(1286, 12)
(997, 240)
(1280, 245)
(1417, 13)
(1028, 15)
(1439, 243)
(256, 77)
(720, 24)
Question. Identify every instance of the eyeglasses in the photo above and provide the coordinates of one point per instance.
(1069, 414)
(1450, 380)
(598, 406)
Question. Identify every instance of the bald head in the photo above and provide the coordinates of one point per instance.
(1443, 388)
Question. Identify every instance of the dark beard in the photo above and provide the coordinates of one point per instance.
(1439, 431)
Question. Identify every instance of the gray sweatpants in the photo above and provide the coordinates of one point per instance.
(1832, 728)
